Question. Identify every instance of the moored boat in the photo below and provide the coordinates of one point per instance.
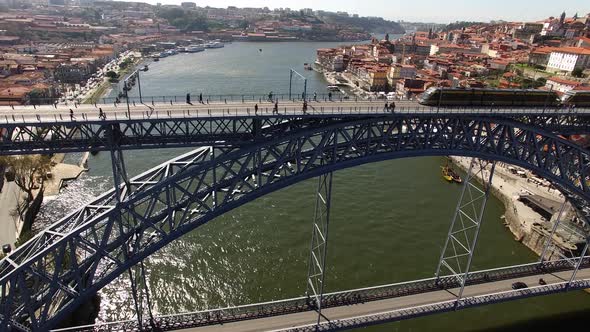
(194, 48)
(445, 174)
(454, 175)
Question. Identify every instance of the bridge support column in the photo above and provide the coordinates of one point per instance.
(319, 243)
(120, 179)
(549, 242)
(457, 253)
(580, 261)
(141, 296)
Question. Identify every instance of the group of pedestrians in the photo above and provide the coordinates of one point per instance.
(275, 108)
(389, 107)
(188, 99)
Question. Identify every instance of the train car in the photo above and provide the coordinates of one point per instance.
(488, 97)
(577, 98)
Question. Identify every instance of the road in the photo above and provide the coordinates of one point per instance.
(376, 307)
(88, 112)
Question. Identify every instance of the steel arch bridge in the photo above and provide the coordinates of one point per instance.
(49, 276)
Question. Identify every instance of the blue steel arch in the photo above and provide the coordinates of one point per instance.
(63, 266)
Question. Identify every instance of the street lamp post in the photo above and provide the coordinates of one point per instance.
(127, 87)
(548, 95)
(292, 71)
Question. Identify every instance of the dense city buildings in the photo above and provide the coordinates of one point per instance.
(52, 48)
(469, 55)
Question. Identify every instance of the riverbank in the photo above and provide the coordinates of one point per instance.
(527, 226)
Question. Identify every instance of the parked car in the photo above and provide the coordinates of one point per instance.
(519, 285)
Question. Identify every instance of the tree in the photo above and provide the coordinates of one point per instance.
(578, 72)
(26, 170)
(539, 82)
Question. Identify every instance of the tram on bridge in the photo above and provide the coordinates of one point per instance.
(436, 96)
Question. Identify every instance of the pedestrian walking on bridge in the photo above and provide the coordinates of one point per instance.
(188, 98)
(256, 109)
(72, 115)
(276, 107)
(201, 98)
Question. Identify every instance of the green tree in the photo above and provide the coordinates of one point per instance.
(36, 95)
(539, 82)
(26, 170)
(578, 72)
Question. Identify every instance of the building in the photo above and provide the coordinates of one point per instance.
(567, 59)
(330, 59)
(398, 72)
(188, 5)
(528, 31)
(561, 85)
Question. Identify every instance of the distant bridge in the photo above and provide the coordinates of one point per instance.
(246, 154)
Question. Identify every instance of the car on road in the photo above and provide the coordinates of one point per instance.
(519, 285)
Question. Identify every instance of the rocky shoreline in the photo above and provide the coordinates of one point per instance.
(528, 226)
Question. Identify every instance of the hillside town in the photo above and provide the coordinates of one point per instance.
(551, 54)
(52, 48)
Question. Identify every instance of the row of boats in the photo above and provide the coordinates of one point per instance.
(195, 48)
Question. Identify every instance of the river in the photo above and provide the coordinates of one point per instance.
(389, 219)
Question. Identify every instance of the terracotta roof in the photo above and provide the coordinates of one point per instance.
(573, 50)
(563, 81)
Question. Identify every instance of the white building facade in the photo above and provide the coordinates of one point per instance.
(567, 60)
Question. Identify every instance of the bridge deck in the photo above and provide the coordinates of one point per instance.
(300, 320)
(118, 112)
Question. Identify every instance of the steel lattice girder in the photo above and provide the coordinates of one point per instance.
(60, 268)
(77, 136)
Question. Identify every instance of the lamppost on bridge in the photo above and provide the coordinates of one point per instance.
(291, 72)
(127, 87)
(548, 95)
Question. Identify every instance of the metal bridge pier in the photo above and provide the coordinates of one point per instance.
(457, 253)
(120, 178)
(549, 240)
(319, 243)
(137, 275)
(580, 260)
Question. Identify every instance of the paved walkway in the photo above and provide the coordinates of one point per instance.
(280, 323)
(8, 223)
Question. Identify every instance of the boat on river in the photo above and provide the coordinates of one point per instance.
(445, 174)
(449, 174)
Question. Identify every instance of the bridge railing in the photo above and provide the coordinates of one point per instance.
(349, 297)
(206, 98)
(160, 112)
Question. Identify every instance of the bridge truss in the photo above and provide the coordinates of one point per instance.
(49, 276)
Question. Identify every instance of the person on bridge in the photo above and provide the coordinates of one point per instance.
(201, 98)
(72, 115)
(276, 107)
(330, 95)
(315, 96)
(270, 96)
(256, 109)
(188, 98)
(101, 114)
(386, 107)
(392, 106)
(305, 106)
